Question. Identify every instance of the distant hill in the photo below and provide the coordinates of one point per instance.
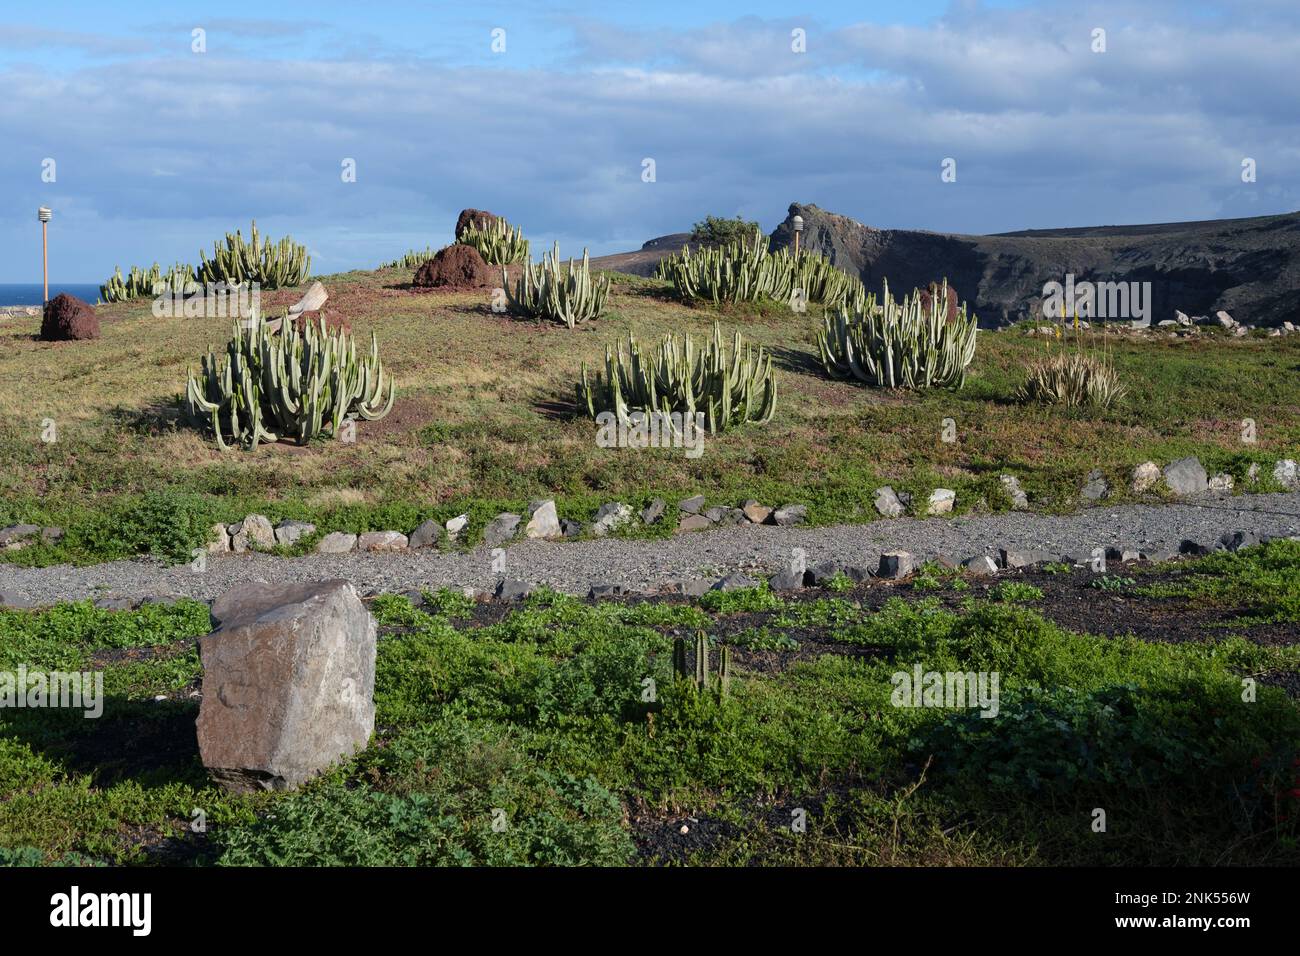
(1247, 267)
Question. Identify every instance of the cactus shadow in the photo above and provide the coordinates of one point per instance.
(153, 419)
(798, 361)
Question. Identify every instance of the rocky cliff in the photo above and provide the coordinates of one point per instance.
(1247, 267)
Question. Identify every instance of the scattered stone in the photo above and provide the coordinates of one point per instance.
(500, 529)
(599, 592)
(52, 535)
(1225, 320)
(727, 517)
(288, 533)
(416, 597)
(947, 562)
(163, 600)
(1010, 559)
(823, 572)
(382, 541)
(512, 589)
(1186, 477)
(693, 523)
(1286, 474)
(218, 539)
(15, 600)
(652, 512)
(788, 515)
(613, 515)
(1252, 473)
(981, 565)
(1221, 483)
(114, 604)
(253, 530)
(336, 542)
(1236, 540)
(734, 582)
(426, 535)
(18, 536)
(1159, 554)
(787, 580)
(1122, 555)
(941, 501)
(1144, 477)
(456, 526)
(570, 528)
(1095, 486)
(755, 512)
(1011, 484)
(1182, 318)
(887, 503)
(895, 565)
(288, 683)
(1194, 548)
(691, 506)
(691, 587)
(543, 522)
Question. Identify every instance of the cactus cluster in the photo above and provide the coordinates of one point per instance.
(565, 294)
(179, 279)
(745, 271)
(412, 260)
(907, 344)
(703, 678)
(301, 381)
(270, 265)
(730, 388)
(496, 242)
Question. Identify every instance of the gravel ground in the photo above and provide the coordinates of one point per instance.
(575, 566)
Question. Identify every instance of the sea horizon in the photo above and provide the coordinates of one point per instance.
(32, 293)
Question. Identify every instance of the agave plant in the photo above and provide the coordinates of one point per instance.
(900, 344)
(270, 265)
(496, 242)
(730, 388)
(302, 381)
(1084, 377)
(561, 294)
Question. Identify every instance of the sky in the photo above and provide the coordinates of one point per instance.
(547, 113)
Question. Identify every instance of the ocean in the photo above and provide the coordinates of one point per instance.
(31, 293)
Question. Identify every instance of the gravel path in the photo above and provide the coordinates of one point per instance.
(575, 566)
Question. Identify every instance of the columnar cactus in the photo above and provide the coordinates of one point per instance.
(703, 677)
(561, 294)
(496, 242)
(285, 263)
(900, 344)
(147, 282)
(730, 388)
(745, 271)
(300, 382)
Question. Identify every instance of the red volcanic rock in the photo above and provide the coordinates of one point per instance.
(456, 267)
(480, 217)
(67, 318)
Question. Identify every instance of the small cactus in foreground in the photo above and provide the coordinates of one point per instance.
(703, 678)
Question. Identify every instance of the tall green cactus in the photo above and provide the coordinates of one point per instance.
(745, 271)
(565, 294)
(496, 242)
(900, 344)
(271, 266)
(730, 388)
(412, 260)
(300, 382)
(140, 283)
(703, 678)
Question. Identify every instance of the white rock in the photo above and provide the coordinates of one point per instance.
(382, 541)
(1222, 482)
(456, 525)
(941, 501)
(336, 542)
(887, 503)
(1285, 473)
(543, 522)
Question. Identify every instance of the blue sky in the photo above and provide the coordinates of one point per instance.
(160, 150)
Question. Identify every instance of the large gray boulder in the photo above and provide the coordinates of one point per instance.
(1186, 477)
(500, 529)
(288, 683)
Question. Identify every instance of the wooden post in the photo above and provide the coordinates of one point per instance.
(796, 245)
(45, 257)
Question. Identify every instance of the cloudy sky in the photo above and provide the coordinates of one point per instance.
(159, 149)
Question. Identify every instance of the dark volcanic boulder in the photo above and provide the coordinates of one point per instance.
(481, 217)
(456, 267)
(66, 318)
